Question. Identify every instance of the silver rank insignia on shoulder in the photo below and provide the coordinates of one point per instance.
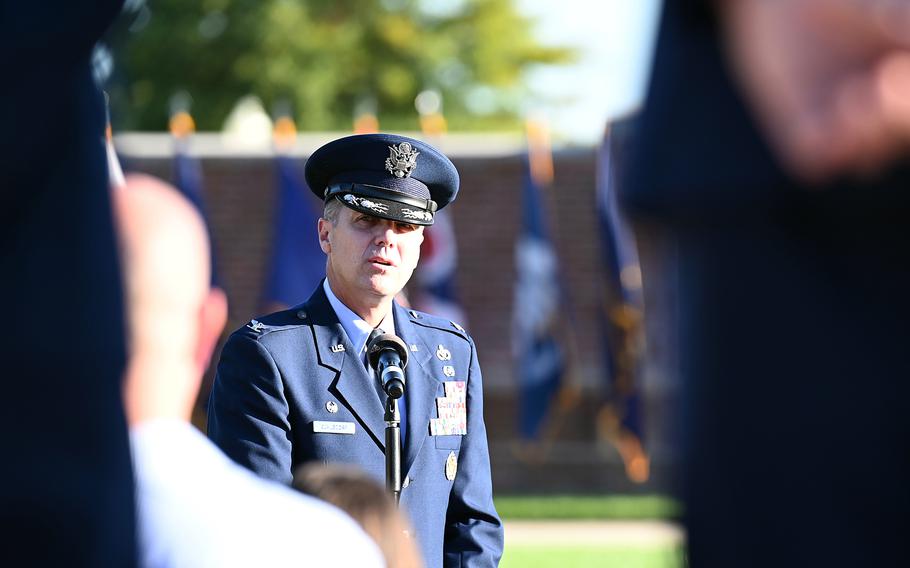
(255, 325)
(414, 314)
(451, 466)
(331, 406)
(337, 348)
(402, 160)
(443, 354)
(448, 371)
(456, 326)
(414, 347)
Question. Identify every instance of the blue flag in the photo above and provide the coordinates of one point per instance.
(621, 417)
(539, 358)
(298, 263)
(620, 254)
(188, 179)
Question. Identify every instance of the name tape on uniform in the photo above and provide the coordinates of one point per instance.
(327, 427)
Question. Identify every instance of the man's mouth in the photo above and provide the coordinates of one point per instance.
(382, 261)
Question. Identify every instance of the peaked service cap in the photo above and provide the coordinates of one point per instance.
(384, 175)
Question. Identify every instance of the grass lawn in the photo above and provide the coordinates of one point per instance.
(605, 507)
(589, 507)
(591, 557)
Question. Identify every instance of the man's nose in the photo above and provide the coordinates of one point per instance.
(385, 234)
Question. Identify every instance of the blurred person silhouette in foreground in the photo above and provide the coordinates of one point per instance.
(63, 350)
(773, 149)
(356, 493)
(195, 506)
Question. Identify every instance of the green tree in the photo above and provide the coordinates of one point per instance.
(325, 57)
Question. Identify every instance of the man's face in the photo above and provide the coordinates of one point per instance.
(369, 255)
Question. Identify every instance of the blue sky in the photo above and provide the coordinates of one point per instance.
(614, 39)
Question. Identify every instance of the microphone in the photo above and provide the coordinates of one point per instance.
(388, 356)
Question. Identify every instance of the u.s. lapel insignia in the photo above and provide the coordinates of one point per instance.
(443, 354)
(331, 406)
(451, 466)
(337, 348)
(448, 371)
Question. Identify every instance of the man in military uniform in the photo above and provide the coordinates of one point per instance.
(295, 386)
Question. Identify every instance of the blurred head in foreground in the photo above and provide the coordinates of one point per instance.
(195, 506)
(360, 496)
(175, 317)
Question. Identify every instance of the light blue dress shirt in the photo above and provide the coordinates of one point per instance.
(358, 331)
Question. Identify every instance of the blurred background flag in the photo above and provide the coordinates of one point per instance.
(298, 263)
(539, 358)
(188, 174)
(436, 289)
(620, 419)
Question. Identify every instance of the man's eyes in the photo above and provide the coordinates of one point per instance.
(370, 221)
(405, 227)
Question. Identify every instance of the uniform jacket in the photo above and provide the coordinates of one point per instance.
(280, 374)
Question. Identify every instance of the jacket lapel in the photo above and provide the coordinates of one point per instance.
(342, 369)
(420, 390)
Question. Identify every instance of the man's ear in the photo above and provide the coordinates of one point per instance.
(212, 317)
(324, 227)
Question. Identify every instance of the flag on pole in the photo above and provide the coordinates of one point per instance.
(298, 264)
(620, 254)
(436, 291)
(539, 357)
(188, 178)
(620, 419)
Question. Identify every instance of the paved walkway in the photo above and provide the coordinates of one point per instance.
(600, 533)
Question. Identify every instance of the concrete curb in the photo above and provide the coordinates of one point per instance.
(646, 534)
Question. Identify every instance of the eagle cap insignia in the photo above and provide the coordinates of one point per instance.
(402, 160)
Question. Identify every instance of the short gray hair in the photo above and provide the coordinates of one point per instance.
(331, 209)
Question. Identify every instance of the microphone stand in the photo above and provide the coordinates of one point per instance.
(388, 355)
(393, 447)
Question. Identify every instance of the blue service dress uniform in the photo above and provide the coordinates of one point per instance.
(282, 373)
